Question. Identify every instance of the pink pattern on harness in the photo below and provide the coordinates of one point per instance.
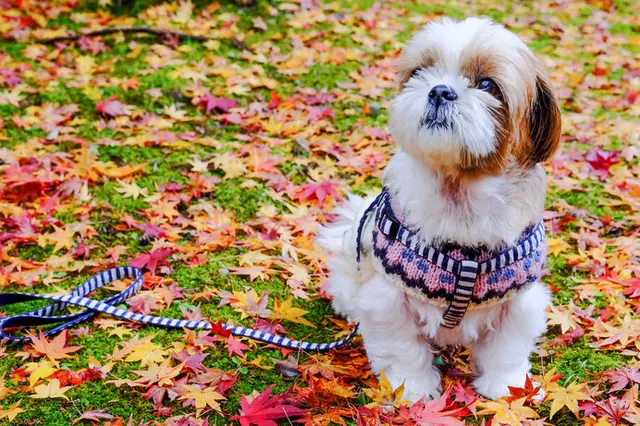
(439, 284)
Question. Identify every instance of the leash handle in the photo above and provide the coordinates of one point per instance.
(43, 316)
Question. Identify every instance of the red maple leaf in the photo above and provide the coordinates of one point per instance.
(235, 346)
(211, 103)
(111, 107)
(76, 378)
(528, 391)
(614, 409)
(191, 361)
(144, 303)
(93, 416)
(441, 411)
(632, 287)
(268, 327)
(217, 328)
(152, 230)
(152, 260)
(92, 44)
(621, 377)
(318, 190)
(263, 409)
(194, 315)
(601, 160)
(275, 100)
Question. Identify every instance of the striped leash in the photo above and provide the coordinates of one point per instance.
(43, 316)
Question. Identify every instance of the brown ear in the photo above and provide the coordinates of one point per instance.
(545, 126)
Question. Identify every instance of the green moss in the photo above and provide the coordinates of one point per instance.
(591, 199)
(326, 76)
(433, 9)
(243, 202)
(579, 361)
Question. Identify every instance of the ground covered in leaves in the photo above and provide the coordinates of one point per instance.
(209, 161)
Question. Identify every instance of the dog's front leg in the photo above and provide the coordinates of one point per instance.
(393, 340)
(502, 358)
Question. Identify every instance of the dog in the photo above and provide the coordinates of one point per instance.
(452, 250)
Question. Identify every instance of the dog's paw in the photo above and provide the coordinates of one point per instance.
(425, 394)
(426, 386)
(494, 386)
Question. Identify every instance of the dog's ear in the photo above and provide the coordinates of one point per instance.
(545, 125)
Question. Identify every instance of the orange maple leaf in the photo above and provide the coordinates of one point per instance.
(53, 349)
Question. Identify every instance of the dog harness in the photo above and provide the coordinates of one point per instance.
(454, 277)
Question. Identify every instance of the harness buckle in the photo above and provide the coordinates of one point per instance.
(389, 226)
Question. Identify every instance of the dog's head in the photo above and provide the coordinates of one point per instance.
(472, 98)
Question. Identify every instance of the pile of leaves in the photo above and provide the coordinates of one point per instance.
(207, 149)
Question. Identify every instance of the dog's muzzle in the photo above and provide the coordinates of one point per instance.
(439, 107)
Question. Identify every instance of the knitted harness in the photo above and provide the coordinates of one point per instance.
(454, 277)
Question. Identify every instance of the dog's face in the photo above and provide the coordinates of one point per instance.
(473, 98)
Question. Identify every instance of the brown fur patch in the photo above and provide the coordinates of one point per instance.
(477, 65)
(543, 127)
(491, 165)
(406, 68)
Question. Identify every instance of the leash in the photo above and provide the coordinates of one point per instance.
(43, 316)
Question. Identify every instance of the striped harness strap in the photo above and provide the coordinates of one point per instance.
(466, 272)
(44, 316)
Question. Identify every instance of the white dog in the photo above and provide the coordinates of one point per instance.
(452, 250)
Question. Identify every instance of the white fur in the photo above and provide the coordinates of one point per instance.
(399, 331)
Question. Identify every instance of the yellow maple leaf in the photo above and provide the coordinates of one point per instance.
(92, 92)
(251, 258)
(626, 333)
(257, 362)
(287, 312)
(335, 388)
(561, 318)
(299, 272)
(4, 391)
(11, 98)
(250, 304)
(51, 390)
(61, 237)
(566, 397)
(230, 164)
(131, 190)
(203, 397)
(11, 412)
(557, 245)
(385, 395)
(166, 208)
(120, 332)
(160, 374)
(39, 370)
(147, 353)
(507, 413)
(113, 171)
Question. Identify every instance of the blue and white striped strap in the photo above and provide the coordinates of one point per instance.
(394, 230)
(524, 248)
(43, 316)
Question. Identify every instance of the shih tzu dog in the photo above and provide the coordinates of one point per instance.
(451, 251)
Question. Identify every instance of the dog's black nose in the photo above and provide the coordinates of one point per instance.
(441, 93)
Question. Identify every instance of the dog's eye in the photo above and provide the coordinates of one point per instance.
(415, 72)
(488, 85)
